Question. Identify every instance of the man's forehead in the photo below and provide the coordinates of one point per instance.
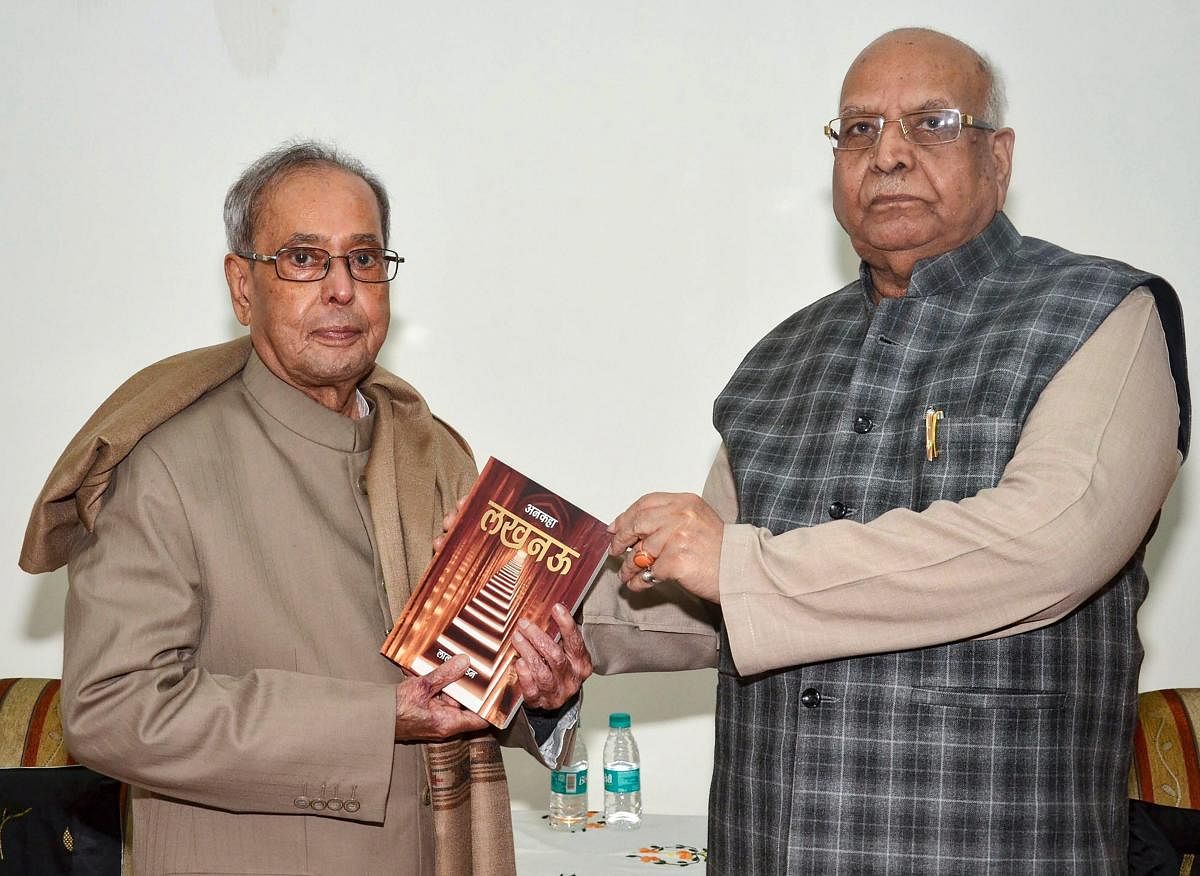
(320, 238)
(874, 106)
(314, 206)
(920, 70)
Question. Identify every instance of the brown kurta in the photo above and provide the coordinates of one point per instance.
(223, 625)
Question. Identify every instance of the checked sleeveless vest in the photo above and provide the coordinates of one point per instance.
(998, 756)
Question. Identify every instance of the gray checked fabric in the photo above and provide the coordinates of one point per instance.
(1000, 756)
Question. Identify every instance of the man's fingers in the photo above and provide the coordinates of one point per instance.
(669, 527)
(449, 521)
(571, 637)
(630, 569)
(651, 523)
(530, 689)
(455, 722)
(659, 546)
(550, 672)
(442, 721)
(541, 662)
(637, 584)
(628, 527)
(572, 642)
(651, 501)
(469, 722)
(448, 672)
(424, 712)
(544, 646)
(622, 537)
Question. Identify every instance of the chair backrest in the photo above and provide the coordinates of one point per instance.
(1166, 754)
(31, 733)
(55, 815)
(1166, 772)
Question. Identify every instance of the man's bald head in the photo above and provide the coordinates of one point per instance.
(899, 200)
(995, 103)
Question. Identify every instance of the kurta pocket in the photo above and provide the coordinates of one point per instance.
(972, 453)
(1008, 699)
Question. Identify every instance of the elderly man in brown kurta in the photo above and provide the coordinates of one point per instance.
(243, 523)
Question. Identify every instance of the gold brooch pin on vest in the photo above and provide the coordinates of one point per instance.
(931, 427)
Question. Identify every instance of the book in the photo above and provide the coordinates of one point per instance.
(515, 550)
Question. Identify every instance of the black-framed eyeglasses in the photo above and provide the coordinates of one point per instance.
(307, 264)
(924, 127)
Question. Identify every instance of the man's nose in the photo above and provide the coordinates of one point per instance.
(339, 284)
(891, 151)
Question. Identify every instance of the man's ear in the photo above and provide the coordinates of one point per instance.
(1002, 156)
(237, 275)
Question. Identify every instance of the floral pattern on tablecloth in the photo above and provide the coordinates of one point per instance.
(671, 856)
(676, 855)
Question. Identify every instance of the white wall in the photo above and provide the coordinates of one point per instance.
(627, 193)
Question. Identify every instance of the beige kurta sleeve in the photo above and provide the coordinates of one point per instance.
(1094, 463)
(658, 630)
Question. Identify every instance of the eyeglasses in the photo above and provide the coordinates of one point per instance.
(307, 264)
(924, 127)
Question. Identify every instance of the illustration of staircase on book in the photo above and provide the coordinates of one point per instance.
(482, 625)
(515, 551)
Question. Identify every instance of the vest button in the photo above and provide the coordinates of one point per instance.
(837, 510)
(810, 698)
(863, 424)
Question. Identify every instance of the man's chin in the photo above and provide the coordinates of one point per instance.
(332, 370)
(899, 237)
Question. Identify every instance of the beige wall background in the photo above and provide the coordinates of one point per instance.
(603, 205)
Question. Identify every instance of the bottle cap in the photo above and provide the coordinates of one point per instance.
(618, 719)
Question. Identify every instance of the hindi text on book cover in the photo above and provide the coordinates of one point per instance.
(515, 550)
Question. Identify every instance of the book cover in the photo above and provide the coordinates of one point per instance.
(515, 550)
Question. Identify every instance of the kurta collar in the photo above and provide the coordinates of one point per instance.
(960, 267)
(301, 414)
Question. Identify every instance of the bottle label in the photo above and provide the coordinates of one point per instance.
(622, 781)
(563, 782)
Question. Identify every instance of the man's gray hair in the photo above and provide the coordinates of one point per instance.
(995, 107)
(244, 202)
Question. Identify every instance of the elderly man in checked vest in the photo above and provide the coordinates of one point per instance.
(917, 562)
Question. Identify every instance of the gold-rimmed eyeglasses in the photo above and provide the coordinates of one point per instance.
(924, 127)
(307, 264)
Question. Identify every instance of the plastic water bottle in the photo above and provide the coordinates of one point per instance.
(622, 775)
(568, 789)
